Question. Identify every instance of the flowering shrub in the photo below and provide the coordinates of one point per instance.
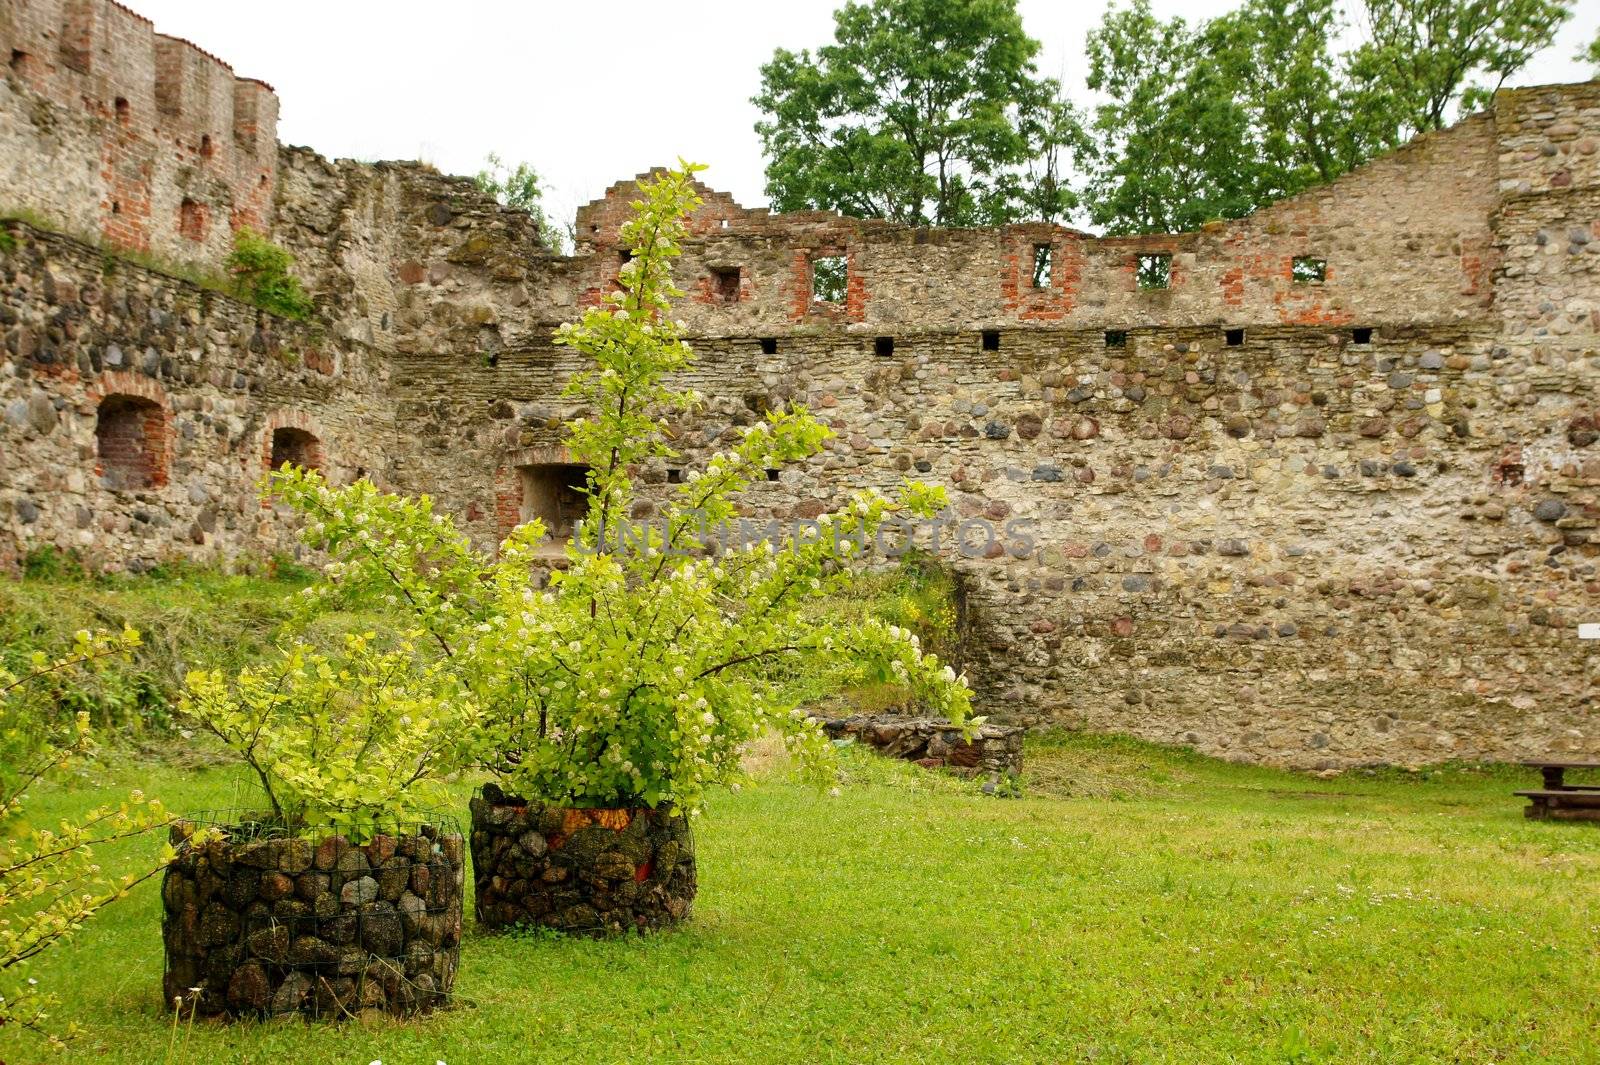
(633, 677)
(50, 881)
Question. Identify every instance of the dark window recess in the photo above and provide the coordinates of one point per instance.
(206, 150)
(1041, 266)
(769, 345)
(883, 346)
(1234, 337)
(557, 494)
(674, 476)
(725, 283)
(128, 440)
(1308, 270)
(829, 277)
(624, 256)
(1116, 338)
(491, 359)
(295, 447)
(1154, 271)
(772, 475)
(192, 221)
(124, 112)
(1361, 336)
(991, 340)
(19, 59)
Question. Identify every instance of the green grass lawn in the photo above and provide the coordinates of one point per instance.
(1139, 905)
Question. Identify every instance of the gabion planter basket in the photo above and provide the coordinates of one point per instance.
(578, 871)
(259, 923)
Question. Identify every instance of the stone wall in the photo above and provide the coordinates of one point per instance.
(107, 367)
(276, 926)
(1315, 522)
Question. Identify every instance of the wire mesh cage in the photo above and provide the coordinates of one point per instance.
(261, 919)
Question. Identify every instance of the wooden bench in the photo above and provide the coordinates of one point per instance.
(1558, 800)
(1567, 804)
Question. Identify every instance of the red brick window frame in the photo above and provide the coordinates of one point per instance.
(132, 442)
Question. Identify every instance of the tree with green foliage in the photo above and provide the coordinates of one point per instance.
(260, 272)
(520, 188)
(1216, 119)
(921, 112)
(1591, 54)
(1425, 61)
(634, 674)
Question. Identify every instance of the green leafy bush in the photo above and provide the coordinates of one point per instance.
(50, 880)
(636, 674)
(260, 271)
(353, 743)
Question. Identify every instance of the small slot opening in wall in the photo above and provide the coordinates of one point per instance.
(1233, 337)
(1361, 336)
(124, 111)
(206, 149)
(674, 475)
(883, 346)
(772, 475)
(491, 359)
(1116, 338)
(991, 340)
(18, 58)
(769, 345)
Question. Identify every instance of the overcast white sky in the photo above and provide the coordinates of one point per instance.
(575, 88)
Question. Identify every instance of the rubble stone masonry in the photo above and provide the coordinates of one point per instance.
(1315, 523)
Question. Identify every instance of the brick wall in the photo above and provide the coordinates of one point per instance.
(174, 135)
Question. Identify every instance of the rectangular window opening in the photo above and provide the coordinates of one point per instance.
(1234, 337)
(1041, 265)
(725, 283)
(1154, 271)
(772, 475)
(557, 493)
(883, 346)
(1116, 338)
(769, 345)
(1308, 270)
(674, 475)
(1361, 336)
(829, 274)
(991, 340)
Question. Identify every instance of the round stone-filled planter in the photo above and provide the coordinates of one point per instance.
(261, 925)
(579, 871)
